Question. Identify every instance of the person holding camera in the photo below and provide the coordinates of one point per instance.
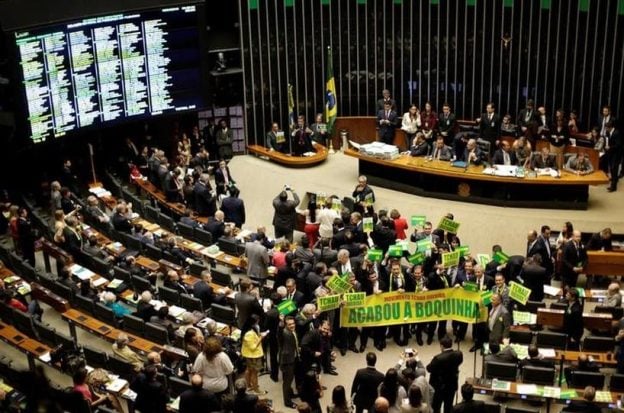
(285, 215)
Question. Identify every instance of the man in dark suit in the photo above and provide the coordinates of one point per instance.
(501, 355)
(365, 384)
(545, 250)
(288, 357)
(294, 294)
(243, 401)
(527, 120)
(489, 125)
(205, 199)
(373, 285)
(544, 159)
(444, 373)
(173, 185)
(73, 240)
(387, 119)
(468, 405)
(534, 246)
(246, 303)
(386, 98)
(441, 152)
(534, 276)
(504, 155)
(573, 260)
(613, 147)
(197, 399)
(473, 154)
(272, 138)
(215, 225)
(204, 291)
(234, 208)
(587, 405)
(285, 213)
(536, 359)
(120, 220)
(223, 178)
(600, 241)
(447, 124)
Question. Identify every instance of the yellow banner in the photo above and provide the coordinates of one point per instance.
(400, 308)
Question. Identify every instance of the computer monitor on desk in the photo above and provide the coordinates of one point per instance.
(538, 375)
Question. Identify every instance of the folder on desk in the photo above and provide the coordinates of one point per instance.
(459, 164)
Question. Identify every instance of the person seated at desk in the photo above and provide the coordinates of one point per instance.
(275, 138)
(145, 310)
(613, 298)
(173, 281)
(204, 291)
(468, 404)
(161, 320)
(508, 128)
(65, 278)
(536, 359)
(110, 300)
(91, 247)
(419, 145)
(579, 164)
(171, 245)
(94, 210)
(501, 355)
(120, 219)
(600, 241)
(473, 154)
(543, 160)
(504, 155)
(441, 152)
(522, 148)
(301, 142)
(187, 218)
(80, 386)
(121, 350)
(216, 225)
(587, 405)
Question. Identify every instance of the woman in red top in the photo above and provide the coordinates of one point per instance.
(400, 224)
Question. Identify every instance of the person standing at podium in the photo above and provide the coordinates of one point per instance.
(489, 126)
(301, 137)
(386, 119)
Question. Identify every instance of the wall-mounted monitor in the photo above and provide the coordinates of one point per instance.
(110, 68)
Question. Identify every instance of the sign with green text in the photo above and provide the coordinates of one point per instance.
(395, 250)
(354, 299)
(500, 257)
(329, 302)
(484, 259)
(417, 258)
(418, 220)
(404, 308)
(450, 259)
(519, 292)
(338, 284)
(424, 245)
(367, 224)
(375, 255)
(448, 225)
(463, 250)
(286, 307)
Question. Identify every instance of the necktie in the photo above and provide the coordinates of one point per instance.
(490, 116)
(226, 177)
(296, 344)
(387, 114)
(445, 281)
(506, 158)
(436, 154)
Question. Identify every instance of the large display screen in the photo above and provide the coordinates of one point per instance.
(110, 68)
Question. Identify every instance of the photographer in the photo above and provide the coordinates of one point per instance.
(285, 216)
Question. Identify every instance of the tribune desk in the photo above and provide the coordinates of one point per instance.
(439, 179)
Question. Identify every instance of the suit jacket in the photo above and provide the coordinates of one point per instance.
(271, 142)
(257, 259)
(444, 370)
(121, 223)
(216, 228)
(420, 149)
(386, 130)
(481, 156)
(234, 210)
(538, 162)
(534, 277)
(220, 179)
(490, 129)
(536, 247)
(380, 104)
(73, 242)
(596, 243)
(365, 384)
(172, 192)
(499, 158)
(206, 294)
(615, 145)
(571, 258)
(573, 321)
(288, 351)
(447, 124)
(582, 406)
(205, 201)
(499, 327)
(471, 406)
(285, 215)
(527, 118)
(246, 304)
(198, 401)
(298, 298)
(445, 153)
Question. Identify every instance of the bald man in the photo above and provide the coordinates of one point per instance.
(381, 405)
(574, 260)
(197, 399)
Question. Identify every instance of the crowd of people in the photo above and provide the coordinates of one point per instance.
(302, 343)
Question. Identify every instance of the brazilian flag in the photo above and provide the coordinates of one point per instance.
(331, 110)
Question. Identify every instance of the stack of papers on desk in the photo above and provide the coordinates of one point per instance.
(11, 279)
(81, 272)
(552, 392)
(547, 172)
(116, 385)
(380, 150)
(524, 317)
(99, 282)
(526, 388)
(176, 312)
(604, 396)
(550, 290)
(115, 283)
(501, 385)
(24, 289)
(100, 192)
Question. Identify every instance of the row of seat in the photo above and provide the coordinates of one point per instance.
(559, 341)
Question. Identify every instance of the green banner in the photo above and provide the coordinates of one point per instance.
(484, 259)
(402, 308)
(448, 225)
(353, 300)
(395, 250)
(336, 204)
(486, 297)
(329, 302)
(338, 284)
(450, 259)
(418, 220)
(375, 255)
(500, 257)
(519, 292)
(367, 224)
(463, 250)
(471, 286)
(417, 258)
(424, 245)
(286, 307)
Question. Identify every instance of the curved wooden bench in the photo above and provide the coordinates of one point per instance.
(291, 161)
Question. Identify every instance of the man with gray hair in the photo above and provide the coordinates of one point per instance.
(473, 155)
(243, 401)
(197, 399)
(121, 350)
(205, 197)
